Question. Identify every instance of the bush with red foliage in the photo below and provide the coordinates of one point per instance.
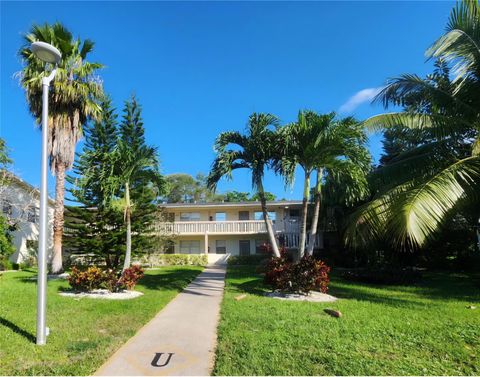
(87, 280)
(94, 278)
(130, 277)
(297, 277)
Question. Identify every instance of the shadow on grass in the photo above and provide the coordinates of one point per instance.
(172, 280)
(435, 286)
(16, 329)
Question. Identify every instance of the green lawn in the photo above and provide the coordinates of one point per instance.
(419, 330)
(84, 332)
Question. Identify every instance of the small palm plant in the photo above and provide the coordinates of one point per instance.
(254, 151)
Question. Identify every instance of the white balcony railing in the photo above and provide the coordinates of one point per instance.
(212, 227)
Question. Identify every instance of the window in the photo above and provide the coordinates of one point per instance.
(271, 215)
(244, 215)
(189, 216)
(259, 246)
(170, 247)
(220, 216)
(190, 247)
(220, 246)
(294, 213)
(7, 208)
(32, 215)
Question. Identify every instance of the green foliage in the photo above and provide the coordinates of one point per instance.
(76, 90)
(269, 197)
(6, 244)
(433, 171)
(176, 260)
(96, 278)
(237, 196)
(302, 276)
(112, 155)
(185, 188)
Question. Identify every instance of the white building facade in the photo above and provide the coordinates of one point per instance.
(20, 204)
(231, 228)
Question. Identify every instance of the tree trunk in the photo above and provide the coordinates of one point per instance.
(128, 252)
(58, 218)
(268, 223)
(303, 222)
(316, 212)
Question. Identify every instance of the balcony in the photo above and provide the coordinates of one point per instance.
(213, 227)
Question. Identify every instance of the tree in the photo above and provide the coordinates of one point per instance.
(329, 147)
(236, 196)
(269, 197)
(254, 151)
(422, 186)
(135, 182)
(6, 246)
(92, 225)
(72, 101)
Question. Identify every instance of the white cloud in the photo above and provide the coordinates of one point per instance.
(364, 95)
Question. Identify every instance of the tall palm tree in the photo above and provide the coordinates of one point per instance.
(329, 147)
(254, 151)
(421, 186)
(72, 101)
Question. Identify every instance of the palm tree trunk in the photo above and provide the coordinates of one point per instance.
(128, 252)
(268, 223)
(303, 223)
(316, 212)
(58, 218)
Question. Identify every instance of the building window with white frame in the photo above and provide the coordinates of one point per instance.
(221, 246)
(220, 216)
(190, 247)
(32, 215)
(190, 216)
(272, 216)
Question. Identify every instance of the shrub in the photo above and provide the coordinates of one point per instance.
(96, 278)
(176, 260)
(300, 277)
(88, 280)
(130, 277)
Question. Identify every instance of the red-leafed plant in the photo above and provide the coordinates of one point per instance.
(87, 280)
(297, 277)
(131, 276)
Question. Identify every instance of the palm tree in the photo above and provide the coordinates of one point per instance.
(72, 101)
(131, 166)
(333, 149)
(422, 185)
(254, 151)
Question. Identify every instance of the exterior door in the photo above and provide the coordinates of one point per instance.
(243, 215)
(244, 247)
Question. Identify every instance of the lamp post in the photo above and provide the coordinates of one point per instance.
(48, 54)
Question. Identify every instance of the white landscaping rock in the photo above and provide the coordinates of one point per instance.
(311, 297)
(104, 294)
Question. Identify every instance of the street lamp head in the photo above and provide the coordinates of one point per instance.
(46, 52)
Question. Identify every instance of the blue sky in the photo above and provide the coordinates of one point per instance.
(200, 68)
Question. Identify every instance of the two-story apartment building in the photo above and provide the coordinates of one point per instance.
(20, 203)
(231, 228)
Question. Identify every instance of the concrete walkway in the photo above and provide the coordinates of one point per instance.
(181, 339)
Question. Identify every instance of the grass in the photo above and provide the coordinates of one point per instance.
(415, 330)
(83, 332)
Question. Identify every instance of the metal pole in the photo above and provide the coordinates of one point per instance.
(43, 231)
(42, 237)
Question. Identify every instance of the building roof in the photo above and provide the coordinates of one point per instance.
(279, 203)
(12, 178)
